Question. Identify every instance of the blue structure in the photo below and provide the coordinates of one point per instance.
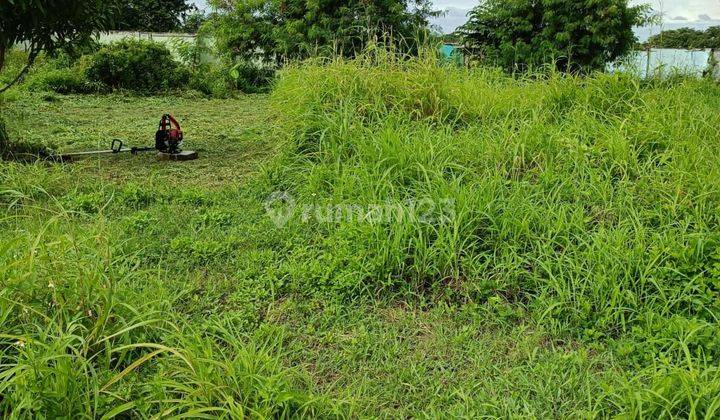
(452, 53)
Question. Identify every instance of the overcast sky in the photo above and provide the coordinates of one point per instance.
(677, 13)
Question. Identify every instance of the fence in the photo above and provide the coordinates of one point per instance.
(664, 62)
(163, 37)
(169, 39)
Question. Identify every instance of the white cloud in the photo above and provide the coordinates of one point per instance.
(691, 9)
(452, 18)
(697, 14)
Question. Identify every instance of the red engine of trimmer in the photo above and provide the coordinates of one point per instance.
(169, 136)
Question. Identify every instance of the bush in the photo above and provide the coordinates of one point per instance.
(137, 65)
(212, 79)
(219, 80)
(71, 53)
(63, 78)
(15, 60)
(61, 73)
(251, 78)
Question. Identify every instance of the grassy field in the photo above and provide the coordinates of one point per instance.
(564, 261)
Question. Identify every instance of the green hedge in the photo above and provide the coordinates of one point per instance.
(137, 65)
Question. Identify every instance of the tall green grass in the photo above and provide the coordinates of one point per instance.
(591, 204)
(86, 331)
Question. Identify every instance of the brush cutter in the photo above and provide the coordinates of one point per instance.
(168, 140)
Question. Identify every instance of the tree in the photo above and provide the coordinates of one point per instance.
(193, 21)
(686, 38)
(576, 36)
(288, 29)
(49, 24)
(153, 15)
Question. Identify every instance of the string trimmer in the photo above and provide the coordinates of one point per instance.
(168, 139)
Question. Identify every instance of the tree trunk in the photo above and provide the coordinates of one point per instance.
(34, 51)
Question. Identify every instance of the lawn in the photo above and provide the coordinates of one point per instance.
(577, 273)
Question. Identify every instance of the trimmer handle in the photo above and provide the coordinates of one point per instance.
(168, 122)
(116, 146)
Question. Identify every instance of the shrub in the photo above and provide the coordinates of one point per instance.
(220, 80)
(61, 73)
(251, 78)
(61, 77)
(61, 81)
(15, 60)
(137, 65)
(212, 79)
(70, 54)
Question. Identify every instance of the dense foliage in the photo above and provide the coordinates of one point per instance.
(276, 30)
(193, 21)
(139, 65)
(49, 24)
(574, 36)
(686, 38)
(153, 15)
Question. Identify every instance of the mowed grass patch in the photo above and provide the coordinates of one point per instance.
(230, 134)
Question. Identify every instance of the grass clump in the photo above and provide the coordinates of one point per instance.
(587, 203)
(90, 334)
